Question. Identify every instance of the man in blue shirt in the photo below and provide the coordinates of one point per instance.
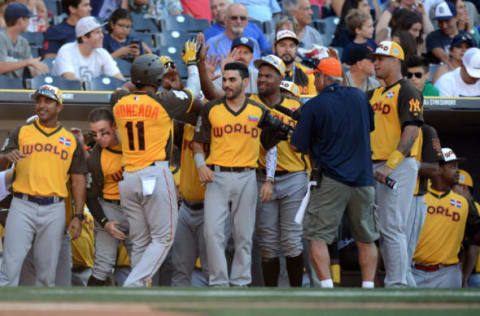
(252, 30)
(261, 10)
(62, 33)
(334, 128)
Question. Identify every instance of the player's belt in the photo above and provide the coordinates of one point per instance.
(430, 268)
(116, 202)
(277, 173)
(193, 206)
(40, 200)
(229, 169)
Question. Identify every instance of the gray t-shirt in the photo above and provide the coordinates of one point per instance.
(370, 84)
(310, 37)
(11, 52)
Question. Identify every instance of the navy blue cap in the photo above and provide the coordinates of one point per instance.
(17, 10)
(462, 38)
(246, 41)
(356, 54)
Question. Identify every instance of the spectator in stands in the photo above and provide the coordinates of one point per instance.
(342, 37)
(261, 10)
(407, 41)
(15, 53)
(302, 12)
(90, 59)
(285, 47)
(235, 23)
(62, 33)
(460, 44)
(118, 42)
(360, 24)
(107, 7)
(382, 32)
(418, 73)
(412, 23)
(284, 23)
(438, 42)
(158, 9)
(463, 81)
(39, 19)
(362, 71)
(196, 9)
(464, 22)
(219, 10)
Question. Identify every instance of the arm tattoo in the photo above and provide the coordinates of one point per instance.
(405, 146)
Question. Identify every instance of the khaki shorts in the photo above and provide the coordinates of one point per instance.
(327, 205)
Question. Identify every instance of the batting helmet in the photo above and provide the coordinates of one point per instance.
(148, 70)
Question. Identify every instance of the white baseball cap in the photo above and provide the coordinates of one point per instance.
(471, 61)
(389, 48)
(86, 25)
(445, 11)
(286, 34)
(448, 155)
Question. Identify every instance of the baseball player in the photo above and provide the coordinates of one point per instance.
(103, 198)
(428, 159)
(398, 109)
(471, 266)
(46, 155)
(83, 250)
(276, 230)
(147, 191)
(450, 218)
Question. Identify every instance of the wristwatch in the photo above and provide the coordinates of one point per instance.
(80, 216)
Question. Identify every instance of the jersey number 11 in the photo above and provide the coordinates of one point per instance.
(140, 132)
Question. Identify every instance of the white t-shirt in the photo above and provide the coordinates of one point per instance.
(69, 59)
(452, 85)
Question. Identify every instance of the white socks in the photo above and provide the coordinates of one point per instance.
(326, 283)
(368, 285)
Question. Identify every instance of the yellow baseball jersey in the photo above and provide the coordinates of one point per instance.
(306, 83)
(395, 106)
(111, 162)
(2, 231)
(234, 138)
(477, 267)
(145, 124)
(51, 155)
(444, 228)
(287, 159)
(190, 186)
(83, 249)
(123, 260)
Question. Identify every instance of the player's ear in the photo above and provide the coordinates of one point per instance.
(59, 107)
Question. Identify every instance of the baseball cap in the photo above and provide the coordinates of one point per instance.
(356, 54)
(50, 92)
(449, 156)
(471, 61)
(462, 38)
(329, 66)
(389, 48)
(243, 41)
(167, 63)
(283, 34)
(86, 25)
(271, 60)
(445, 11)
(290, 87)
(17, 10)
(465, 178)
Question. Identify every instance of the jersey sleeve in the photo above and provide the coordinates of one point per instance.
(175, 102)
(117, 95)
(79, 164)
(410, 105)
(203, 126)
(431, 149)
(11, 143)
(472, 229)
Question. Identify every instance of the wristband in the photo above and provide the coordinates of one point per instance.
(199, 160)
(395, 159)
(104, 221)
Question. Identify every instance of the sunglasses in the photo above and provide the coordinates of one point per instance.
(416, 74)
(236, 18)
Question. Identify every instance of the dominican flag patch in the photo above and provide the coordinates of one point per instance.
(455, 203)
(390, 95)
(252, 119)
(64, 141)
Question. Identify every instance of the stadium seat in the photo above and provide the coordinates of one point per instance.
(172, 51)
(53, 6)
(185, 23)
(104, 83)
(268, 27)
(331, 23)
(35, 39)
(57, 81)
(49, 62)
(258, 23)
(172, 38)
(10, 83)
(147, 38)
(36, 51)
(432, 69)
(146, 25)
(124, 67)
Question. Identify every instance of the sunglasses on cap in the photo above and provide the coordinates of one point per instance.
(416, 74)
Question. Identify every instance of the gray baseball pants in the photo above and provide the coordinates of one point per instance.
(152, 219)
(188, 245)
(445, 277)
(415, 223)
(276, 229)
(239, 189)
(32, 225)
(106, 247)
(394, 207)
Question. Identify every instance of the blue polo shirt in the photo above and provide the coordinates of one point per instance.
(334, 128)
(57, 35)
(252, 30)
